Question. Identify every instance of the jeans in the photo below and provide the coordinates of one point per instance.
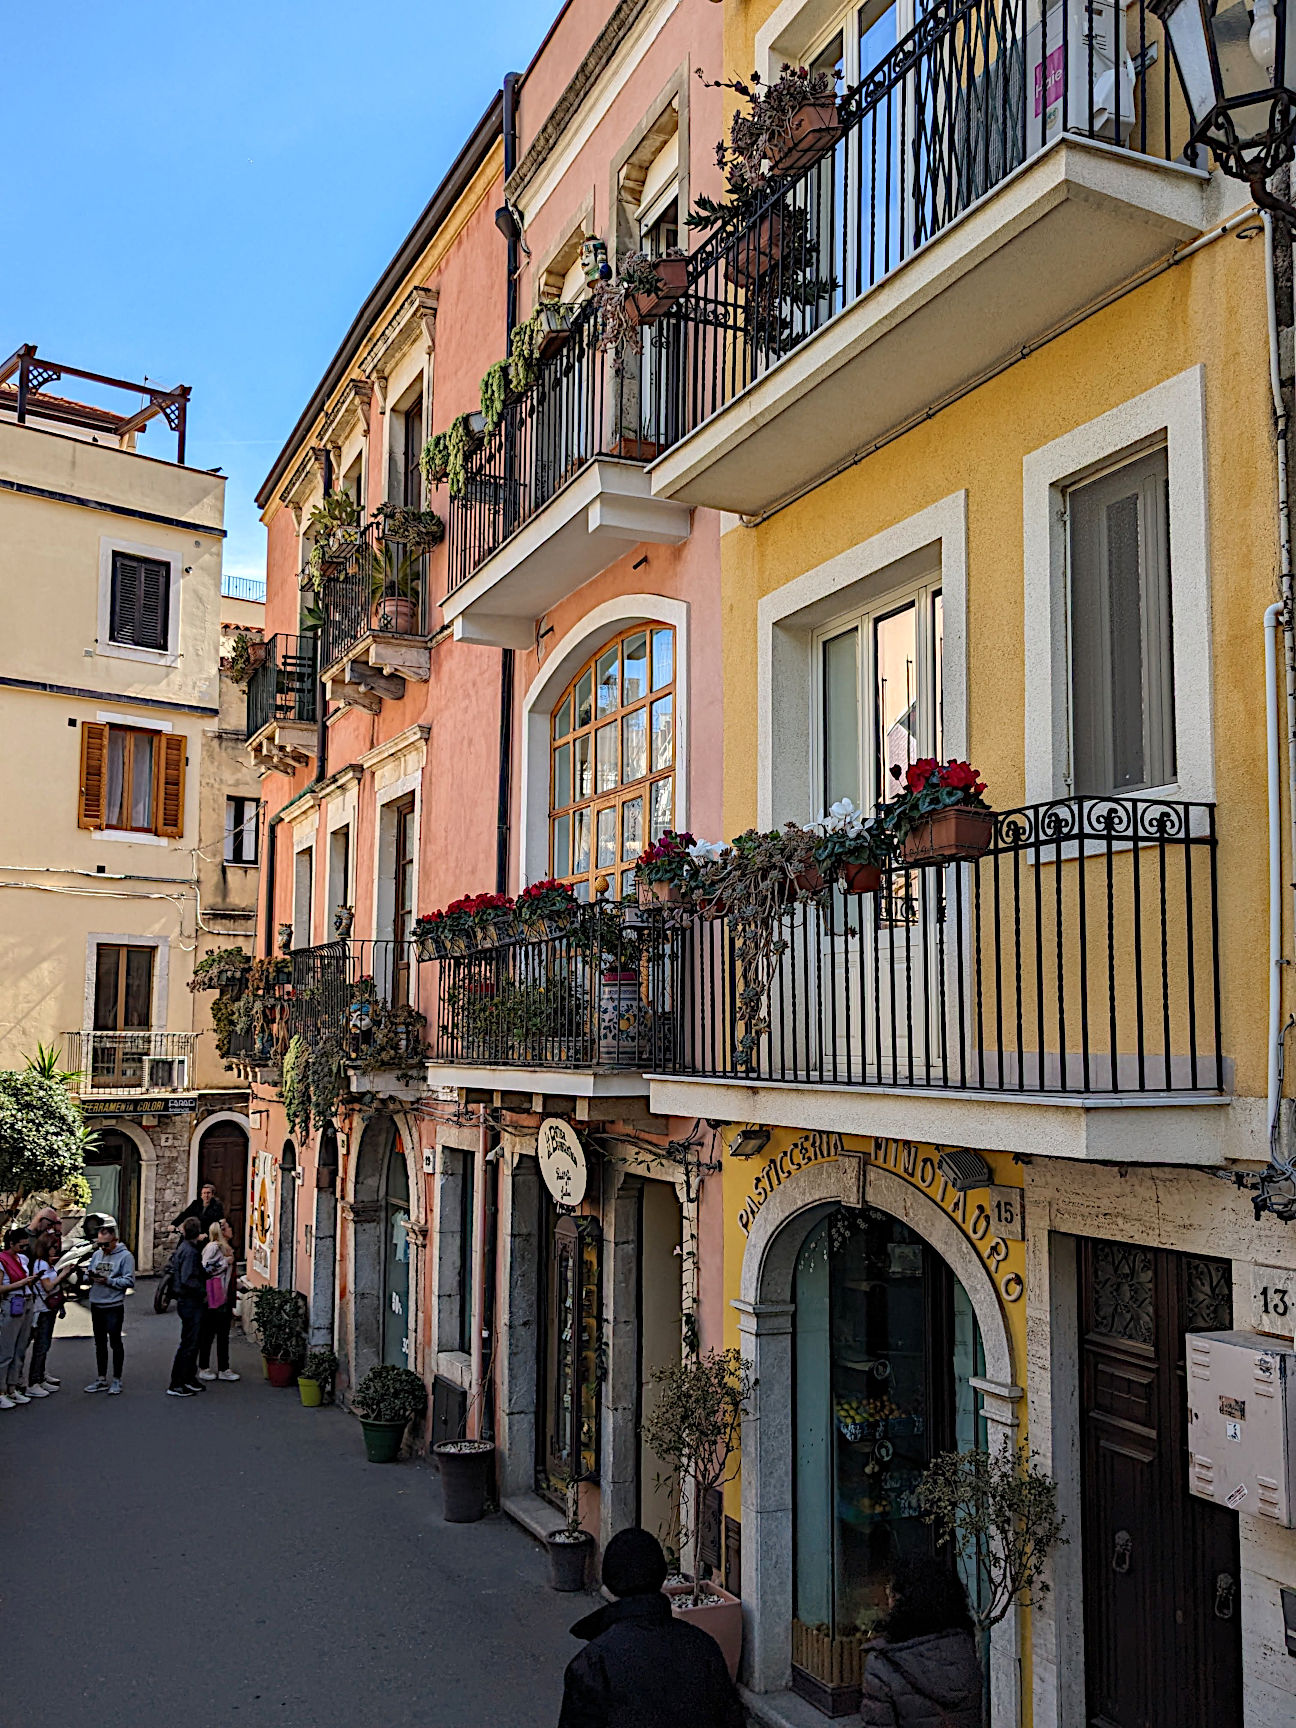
(185, 1366)
(106, 1320)
(215, 1329)
(14, 1330)
(42, 1338)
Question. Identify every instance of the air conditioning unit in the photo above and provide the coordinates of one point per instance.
(165, 1073)
(1242, 1423)
(1078, 50)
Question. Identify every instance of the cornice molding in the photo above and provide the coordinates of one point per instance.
(305, 476)
(351, 408)
(416, 312)
(403, 741)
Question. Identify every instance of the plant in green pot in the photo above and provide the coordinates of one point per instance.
(570, 1547)
(385, 1400)
(279, 1317)
(315, 1382)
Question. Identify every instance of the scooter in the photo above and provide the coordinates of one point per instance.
(77, 1257)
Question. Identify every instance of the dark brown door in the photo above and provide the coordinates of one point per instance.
(1162, 1626)
(222, 1161)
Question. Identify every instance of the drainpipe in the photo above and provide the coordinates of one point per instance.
(490, 1263)
(1272, 616)
(503, 802)
(268, 864)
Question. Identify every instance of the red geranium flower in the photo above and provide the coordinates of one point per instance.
(920, 772)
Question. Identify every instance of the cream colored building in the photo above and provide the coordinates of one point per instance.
(119, 785)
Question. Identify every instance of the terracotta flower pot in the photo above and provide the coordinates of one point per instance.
(809, 881)
(256, 654)
(722, 1620)
(672, 277)
(659, 893)
(859, 878)
(950, 835)
(752, 253)
(814, 130)
(280, 1373)
(394, 615)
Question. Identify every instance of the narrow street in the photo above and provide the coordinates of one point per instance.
(234, 1557)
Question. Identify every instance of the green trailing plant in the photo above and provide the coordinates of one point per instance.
(321, 1366)
(394, 1041)
(695, 1424)
(459, 442)
(279, 1317)
(240, 666)
(334, 525)
(619, 328)
(494, 393)
(1002, 1508)
(434, 459)
(294, 1085)
(389, 1394)
(417, 530)
(222, 969)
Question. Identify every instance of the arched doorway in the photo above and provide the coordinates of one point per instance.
(113, 1172)
(324, 1243)
(223, 1161)
(396, 1258)
(287, 1216)
(380, 1212)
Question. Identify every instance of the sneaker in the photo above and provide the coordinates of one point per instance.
(195, 1385)
(37, 1392)
(114, 1388)
(206, 1374)
(180, 1392)
(97, 1386)
(50, 1385)
(228, 1374)
(20, 1397)
(7, 1403)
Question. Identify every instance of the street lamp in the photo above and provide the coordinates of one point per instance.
(1238, 71)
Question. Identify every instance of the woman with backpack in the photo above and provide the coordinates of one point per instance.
(222, 1291)
(16, 1280)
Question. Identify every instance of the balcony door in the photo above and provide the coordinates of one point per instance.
(405, 869)
(123, 1004)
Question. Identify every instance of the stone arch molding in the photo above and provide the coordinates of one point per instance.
(376, 1139)
(765, 1323)
(201, 1128)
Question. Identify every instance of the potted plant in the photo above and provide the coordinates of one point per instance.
(785, 126)
(662, 870)
(315, 1382)
(545, 908)
(694, 1427)
(395, 586)
(279, 1317)
(570, 1547)
(385, 1400)
(225, 969)
(654, 284)
(850, 849)
(940, 815)
(551, 324)
(334, 526)
(465, 1468)
(417, 530)
(247, 652)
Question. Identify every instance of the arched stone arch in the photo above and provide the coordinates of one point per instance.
(286, 1227)
(146, 1257)
(236, 1206)
(765, 1312)
(200, 1128)
(378, 1141)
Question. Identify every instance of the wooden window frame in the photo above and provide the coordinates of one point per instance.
(115, 624)
(168, 790)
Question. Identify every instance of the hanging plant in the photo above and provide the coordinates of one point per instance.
(416, 530)
(459, 442)
(494, 390)
(769, 135)
(639, 285)
(294, 1086)
(434, 460)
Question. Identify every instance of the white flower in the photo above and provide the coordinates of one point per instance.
(842, 818)
(706, 851)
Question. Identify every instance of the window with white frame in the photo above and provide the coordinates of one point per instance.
(241, 830)
(1122, 706)
(303, 887)
(339, 877)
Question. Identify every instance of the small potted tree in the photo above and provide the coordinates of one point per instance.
(465, 1469)
(279, 1317)
(385, 1400)
(571, 1547)
(940, 815)
(850, 849)
(662, 870)
(315, 1382)
(694, 1428)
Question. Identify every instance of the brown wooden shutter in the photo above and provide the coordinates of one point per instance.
(94, 774)
(169, 786)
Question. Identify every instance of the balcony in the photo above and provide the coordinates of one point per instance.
(558, 492)
(362, 998)
(1073, 970)
(282, 704)
(971, 205)
(596, 997)
(140, 1062)
(373, 594)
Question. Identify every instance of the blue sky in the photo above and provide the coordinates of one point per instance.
(204, 194)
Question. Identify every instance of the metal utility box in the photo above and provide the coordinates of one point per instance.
(1242, 1423)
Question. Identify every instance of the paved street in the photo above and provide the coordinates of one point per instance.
(239, 1560)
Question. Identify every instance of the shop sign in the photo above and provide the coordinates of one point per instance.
(137, 1106)
(818, 1147)
(562, 1161)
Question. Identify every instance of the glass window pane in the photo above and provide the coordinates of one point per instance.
(581, 768)
(841, 721)
(663, 733)
(562, 777)
(113, 814)
(580, 842)
(938, 672)
(895, 646)
(562, 719)
(142, 782)
(631, 829)
(562, 846)
(139, 988)
(663, 657)
(605, 758)
(607, 837)
(607, 682)
(663, 799)
(581, 891)
(634, 745)
(634, 673)
(584, 699)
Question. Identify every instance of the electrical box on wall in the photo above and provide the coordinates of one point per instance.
(1242, 1423)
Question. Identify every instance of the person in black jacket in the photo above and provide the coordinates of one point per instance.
(925, 1672)
(643, 1668)
(207, 1209)
(189, 1282)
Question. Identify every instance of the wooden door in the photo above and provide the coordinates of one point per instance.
(1161, 1569)
(222, 1161)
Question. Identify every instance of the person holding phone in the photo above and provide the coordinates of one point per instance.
(112, 1273)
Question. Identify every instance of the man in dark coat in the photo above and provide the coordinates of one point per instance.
(190, 1284)
(643, 1668)
(207, 1209)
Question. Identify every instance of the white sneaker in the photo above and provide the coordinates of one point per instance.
(97, 1386)
(6, 1403)
(50, 1385)
(206, 1374)
(19, 1397)
(228, 1374)
(37, 1392)
(114, 1388)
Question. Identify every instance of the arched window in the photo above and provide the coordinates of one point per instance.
(612, 787)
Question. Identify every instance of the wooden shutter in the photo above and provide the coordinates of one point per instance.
(94, 775)
(141, 600)
(169, 785)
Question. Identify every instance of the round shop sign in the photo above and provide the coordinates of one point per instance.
(562, 1161)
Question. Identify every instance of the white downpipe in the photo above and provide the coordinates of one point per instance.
(1271, 620)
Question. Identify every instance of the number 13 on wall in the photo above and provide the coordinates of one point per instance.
(1273, 1301)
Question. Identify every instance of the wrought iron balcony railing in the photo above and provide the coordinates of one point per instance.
(975, 89)
(376, 585)
(284, 686)
(599, 990)
(1079, 955)
(362, 996)
(131, 1061)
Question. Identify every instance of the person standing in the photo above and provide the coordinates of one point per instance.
(16, 1279)
(926, 1671)
(189, 1282)
(47, 1303)
(112, 1273)
(218, 1264)
(207, 1209)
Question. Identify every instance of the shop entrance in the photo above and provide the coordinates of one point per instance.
(113, 1173)
(885, 1349)
(223, 1161)
(1162, 1601)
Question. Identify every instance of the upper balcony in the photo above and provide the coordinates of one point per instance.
(282, 703)
(131, 1062)
(559, 490)
(996, 175)
(372, 590)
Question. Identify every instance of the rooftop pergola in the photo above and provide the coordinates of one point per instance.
(35, 373)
